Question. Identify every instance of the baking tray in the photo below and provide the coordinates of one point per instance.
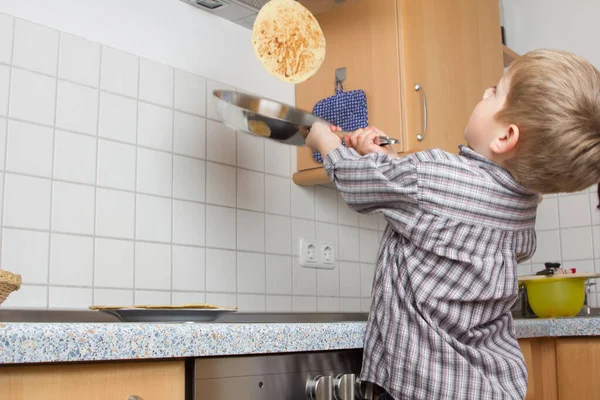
(168, 314)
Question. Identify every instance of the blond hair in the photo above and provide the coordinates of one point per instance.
(554, 99)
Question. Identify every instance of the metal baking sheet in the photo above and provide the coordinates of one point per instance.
(167, 314)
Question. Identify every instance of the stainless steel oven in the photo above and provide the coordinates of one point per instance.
(298, 376)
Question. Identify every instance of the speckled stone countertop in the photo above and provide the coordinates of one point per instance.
(62, 342)
(59, 342)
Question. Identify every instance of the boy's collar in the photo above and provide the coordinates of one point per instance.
(502, 174)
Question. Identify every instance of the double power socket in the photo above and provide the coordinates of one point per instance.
(317, 254)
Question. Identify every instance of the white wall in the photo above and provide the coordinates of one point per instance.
(167, 31)
(119, 184)
(568, 226)
(566, 25)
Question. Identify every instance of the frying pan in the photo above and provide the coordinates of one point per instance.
(269, 118)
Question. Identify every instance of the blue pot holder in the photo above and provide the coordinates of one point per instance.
(348, 110)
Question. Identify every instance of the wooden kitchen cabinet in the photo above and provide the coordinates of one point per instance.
(97, 381)
(564, 368)
(540, 357)
(452, 49)
(578, 368)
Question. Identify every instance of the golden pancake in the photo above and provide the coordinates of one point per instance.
(288, 41)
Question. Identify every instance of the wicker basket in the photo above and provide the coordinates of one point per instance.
(9, 282)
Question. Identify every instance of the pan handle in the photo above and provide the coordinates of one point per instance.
(382, 140)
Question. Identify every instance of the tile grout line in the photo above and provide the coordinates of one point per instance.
(52, 172)
(172, 185)
(96, 184)
(237, 212)
(265, 206)
(205, 192)
(9, 89)
(237, 216)
(136, 196)
(292, 258)
(316, 271)
(177, 290)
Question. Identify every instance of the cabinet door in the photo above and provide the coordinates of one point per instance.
(363, 37)
(147, 380)
(453, 50)
(540, 357)
(578, 368)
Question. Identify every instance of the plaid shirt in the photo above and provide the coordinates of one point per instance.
(440, 325)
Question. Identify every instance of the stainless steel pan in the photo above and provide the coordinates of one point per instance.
(269, 118)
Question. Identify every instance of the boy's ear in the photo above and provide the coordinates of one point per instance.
(506, 141)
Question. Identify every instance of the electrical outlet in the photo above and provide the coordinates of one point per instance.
(308, 253)
(315, 254)
(327, 254)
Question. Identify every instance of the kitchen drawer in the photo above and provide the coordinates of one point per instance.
(97, 381)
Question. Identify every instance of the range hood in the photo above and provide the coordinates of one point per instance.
(243, 12)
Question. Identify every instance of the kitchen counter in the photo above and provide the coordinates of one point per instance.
(64, 342)
(58, 342)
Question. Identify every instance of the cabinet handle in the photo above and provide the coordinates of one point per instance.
(420, 88)
(134, 397)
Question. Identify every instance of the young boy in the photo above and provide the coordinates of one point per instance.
(440, 325)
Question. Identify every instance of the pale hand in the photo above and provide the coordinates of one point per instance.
(365, 141)
(322, 138)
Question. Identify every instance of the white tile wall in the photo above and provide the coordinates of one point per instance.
(220, 227)
(118, 117)
(568, 230)
(115, 213)
(71, 260)
(278, 234)
(113, 258)
(116, 165)
(155, 126)
(72, 208)
(189, 136)
(251, 190)
(326, 204)
(74, 157)
(152, 266)
(220, 184)
(156, 83)
(22, 156)
(32, 97)
(119, 72)
(77, 108)
(251, 276)
(187, 88)
(278, 274)
(189, 223)
(35, 47)
(121, 185)
(154, 172)
(5, 85)
(6, 35)
(79, 60)
(279, 304)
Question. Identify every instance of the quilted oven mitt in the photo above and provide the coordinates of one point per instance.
(348, 110)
